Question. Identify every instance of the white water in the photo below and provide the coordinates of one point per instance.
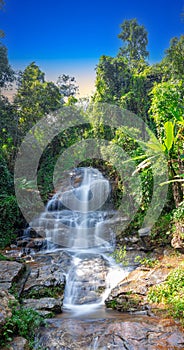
(76, 219)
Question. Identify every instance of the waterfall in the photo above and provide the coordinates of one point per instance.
(76, 220)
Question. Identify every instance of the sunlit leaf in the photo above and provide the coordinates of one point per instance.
(169, 134)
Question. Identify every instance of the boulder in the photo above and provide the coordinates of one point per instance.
(44, 305)
(11, 272)
(86, 281)
(130, 295)
(44, 281)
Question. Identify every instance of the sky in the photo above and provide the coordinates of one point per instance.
(68, 37)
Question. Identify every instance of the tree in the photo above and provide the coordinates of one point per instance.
(68, 88)
(135, 41)
(167, 112)
(112, 80)
(35, 97)
(173, 62)
(138, 99)
(6, 72)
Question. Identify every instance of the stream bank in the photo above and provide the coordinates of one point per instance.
(40, 285)
(63, 269)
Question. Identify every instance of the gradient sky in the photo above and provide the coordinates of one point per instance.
(70, 36)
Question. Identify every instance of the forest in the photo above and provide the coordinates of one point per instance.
(131, 129)
(153, 92)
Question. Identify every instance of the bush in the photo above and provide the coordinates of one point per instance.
(23, 322)
(10, 219)
(171, 293)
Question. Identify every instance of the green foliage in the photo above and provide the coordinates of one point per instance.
(171, 293)
(10, 219)
(3, 258)
(167, 100)
(178, 214)
(23, 322)
(135, 40)
(173, 62)
(146, 261)
(6, 184)
(113, 79)
(8, 130)
(112, 304)
(169, 135)
(34, 98)
(68, 88)
(161, 231)
(45, 292)
(120, 255)
(6, 72)
(167, 112)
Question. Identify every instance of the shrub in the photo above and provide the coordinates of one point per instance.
(10, 219)
(171, 293)
(23, 322)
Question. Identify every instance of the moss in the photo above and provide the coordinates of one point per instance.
(127, 302)
(44, 292)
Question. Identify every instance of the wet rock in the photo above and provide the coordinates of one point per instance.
(13, 246)
(55, 205)
(31, 233)
(18, 343)
(15, 253)
(87, 280)
(131, 294)
(138, 332)
(44, 305)
(22, 242)
(5, 308)
(37, 243)
(64, 261)
(10, 272)
(44, 281)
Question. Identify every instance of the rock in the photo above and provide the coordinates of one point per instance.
(138, 332)
(177, 242)
(13, 246)
(144, 232)
(17, 343)
(22, 243)
(5, 308)
(44, 304)
(29, 232)
(131, 293)
(44, 281)
(87, 279)
(10, 272)
(13, 253)
(36, 243)
(55, 205)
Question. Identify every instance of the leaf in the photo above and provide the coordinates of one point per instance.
(169, 134)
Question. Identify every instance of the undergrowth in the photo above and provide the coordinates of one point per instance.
(23, 322)
(171, 293)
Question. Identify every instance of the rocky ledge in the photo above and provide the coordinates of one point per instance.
(130, 295)
(127, 333)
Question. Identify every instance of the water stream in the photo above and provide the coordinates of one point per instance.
(76, 220)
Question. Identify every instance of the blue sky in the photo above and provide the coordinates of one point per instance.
(70, 36)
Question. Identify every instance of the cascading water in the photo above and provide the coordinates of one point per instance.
(76, 219)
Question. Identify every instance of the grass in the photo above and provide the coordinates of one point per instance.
(171, 293)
